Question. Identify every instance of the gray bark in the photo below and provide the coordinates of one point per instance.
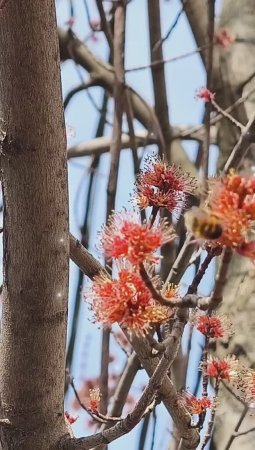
(236, 67)
(36, 243)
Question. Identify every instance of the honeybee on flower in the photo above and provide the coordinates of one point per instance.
(203, 223)
(228, 217)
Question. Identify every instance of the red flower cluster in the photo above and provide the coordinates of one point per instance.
(213, 326)
(126, 301)
(70, 419)
(162, 186)
(193, 404)
(232, 200)
(171, 291)
(94, 397)
(222, 369)
(125, 237)
(205, 94)
(224, 38)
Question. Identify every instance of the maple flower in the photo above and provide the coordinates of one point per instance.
(205, 94)
(125, 237)
(193, 404)
(94, 399)
(214, 326)
(222, 369)
(162, 186)
(126, 301)
(70, 419)
(224, 38)
(232, 201)
(170, 292)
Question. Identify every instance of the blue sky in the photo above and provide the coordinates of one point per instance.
(183, 79)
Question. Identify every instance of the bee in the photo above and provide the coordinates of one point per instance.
(203, 224)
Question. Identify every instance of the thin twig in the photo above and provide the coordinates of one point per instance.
(105, 25)
(119, 102)
(208, 105)
(162, 61)
(124, 384)
(143, 403)
(239, 423)
(216, 119)
(190, 300)
(205, 377)
(133, 143)
(242, 433)
(211, 253)
(158, 74)
(171, 29)
(241, 146)
(221, 277)
(209, 432)
(79, 88)
(101, 418)
(154, 416)
(228, 116)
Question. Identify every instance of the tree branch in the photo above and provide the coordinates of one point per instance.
(190, 436)
(72, 48)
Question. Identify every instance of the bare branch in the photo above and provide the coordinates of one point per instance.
(209, 431)
(171, 29)
(242, 146)
(239, 423)
(158, 74)
(81, 87)
(195, 11)
(142, 138)
(160, 62)
(124, 384)
(154, 385)
(83, 259)
(180, 416)
(208, 105)
(72, 48)
(105, 25)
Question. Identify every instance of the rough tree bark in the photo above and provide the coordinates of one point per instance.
(36, 244)
(233, 75)
(237, 75)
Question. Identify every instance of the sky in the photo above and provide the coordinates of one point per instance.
(183, 77)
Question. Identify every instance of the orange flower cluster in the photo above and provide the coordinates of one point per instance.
(70, 419)
(195, 405)
(94, 397)
(162, 186)
(126, 301)
(222, 369)
(214, 326)
(171, 291)
(232, 200)
(125, 237)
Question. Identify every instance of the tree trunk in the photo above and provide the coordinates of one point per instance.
(236, 67)
(36, 245)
